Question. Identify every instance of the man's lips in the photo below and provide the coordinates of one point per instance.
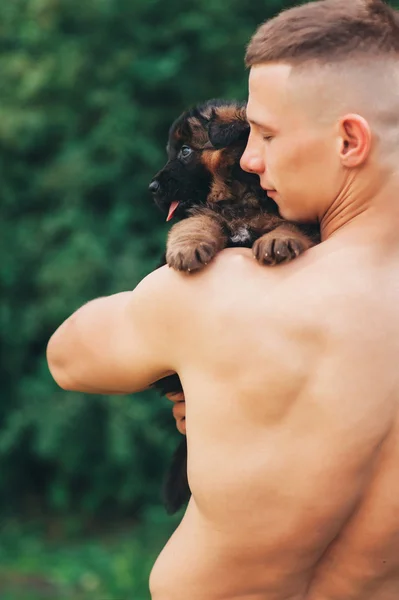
(267, 189)
(172, 208)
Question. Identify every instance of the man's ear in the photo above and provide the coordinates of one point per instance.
(228, 126)
(354, 140)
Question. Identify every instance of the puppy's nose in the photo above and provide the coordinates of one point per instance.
(154, 186)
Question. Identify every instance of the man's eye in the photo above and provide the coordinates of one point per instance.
(267, 138)
(185, 151)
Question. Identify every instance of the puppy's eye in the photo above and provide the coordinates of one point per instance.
(185, 151)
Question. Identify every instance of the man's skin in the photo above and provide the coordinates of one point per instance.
(290, 376)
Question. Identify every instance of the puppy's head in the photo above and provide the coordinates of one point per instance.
(204, 149)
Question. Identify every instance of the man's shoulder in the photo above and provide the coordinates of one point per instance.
(228, 261)
(164, 282)
(315, 275)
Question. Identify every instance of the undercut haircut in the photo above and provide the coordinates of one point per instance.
(327, 31)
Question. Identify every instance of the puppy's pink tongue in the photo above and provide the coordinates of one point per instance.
(172, 209)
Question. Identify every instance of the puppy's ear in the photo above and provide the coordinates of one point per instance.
(191, 127)
(228, 125)
(183, 131)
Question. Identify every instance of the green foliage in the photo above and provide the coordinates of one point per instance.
(88, 91)
(110, 566)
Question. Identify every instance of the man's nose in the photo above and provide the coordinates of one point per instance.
(154, 186)
(251, 162)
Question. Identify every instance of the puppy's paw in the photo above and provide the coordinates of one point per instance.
(194, 242)
(278, 246)
(191, 256)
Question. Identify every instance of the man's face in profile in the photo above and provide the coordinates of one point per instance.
(294, 154)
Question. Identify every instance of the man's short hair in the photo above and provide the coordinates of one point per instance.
(327, 31)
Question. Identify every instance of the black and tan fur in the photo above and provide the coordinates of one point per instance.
(220, 206)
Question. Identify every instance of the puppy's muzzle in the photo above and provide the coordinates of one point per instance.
(154, 186)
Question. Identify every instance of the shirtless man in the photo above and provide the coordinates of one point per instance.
(290, 374)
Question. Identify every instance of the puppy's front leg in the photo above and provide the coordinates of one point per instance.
(193, 243)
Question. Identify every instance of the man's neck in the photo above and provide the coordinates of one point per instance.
(365, 214)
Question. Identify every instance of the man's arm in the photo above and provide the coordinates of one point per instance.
(118, 344)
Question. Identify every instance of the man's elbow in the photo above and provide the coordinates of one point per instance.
(58, 365)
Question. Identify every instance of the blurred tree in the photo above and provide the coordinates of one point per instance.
(88, 92)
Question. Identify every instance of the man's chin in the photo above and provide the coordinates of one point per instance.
(290, 214)
(285, 212)
(295, 216)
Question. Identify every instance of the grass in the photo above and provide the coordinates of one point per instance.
(112, 566)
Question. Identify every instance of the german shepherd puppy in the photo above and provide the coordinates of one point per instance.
(219, 205)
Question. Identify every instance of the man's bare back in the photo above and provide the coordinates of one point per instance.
(290, 374)
(292, 391)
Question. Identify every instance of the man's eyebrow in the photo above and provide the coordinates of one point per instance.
(260, 125)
